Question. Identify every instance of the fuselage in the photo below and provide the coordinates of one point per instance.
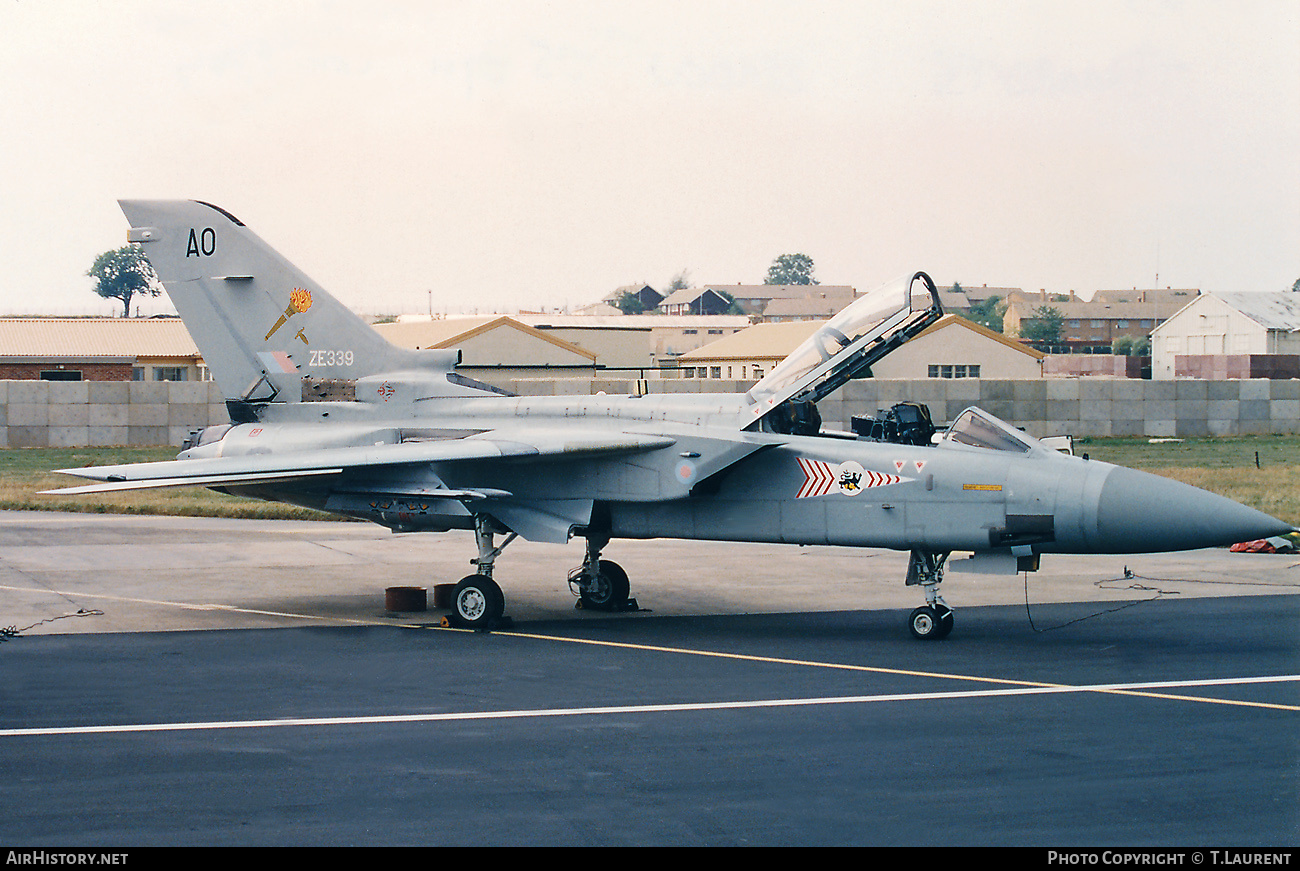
(716, 482)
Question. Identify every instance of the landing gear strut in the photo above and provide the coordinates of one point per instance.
(600, 584)
(477, 602)
(933, 620)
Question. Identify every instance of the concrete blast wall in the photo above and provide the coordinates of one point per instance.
(80, 414)
(1042, 406)
(103, 413)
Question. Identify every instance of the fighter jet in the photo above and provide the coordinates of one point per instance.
(325, 413)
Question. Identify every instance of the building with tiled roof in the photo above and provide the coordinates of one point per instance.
(495, 348)
(747, 355)
(751, 299)
(1093, 325)
(817, 304)
(637, 341)
(647, 296)
(951, 348)
(98, 349)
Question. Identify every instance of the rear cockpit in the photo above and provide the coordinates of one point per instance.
(844, 348)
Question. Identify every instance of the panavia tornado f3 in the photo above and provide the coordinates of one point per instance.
(325, 413)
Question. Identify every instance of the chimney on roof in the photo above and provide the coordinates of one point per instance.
(1042, 294)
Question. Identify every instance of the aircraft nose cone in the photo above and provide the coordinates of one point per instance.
(1142, 513)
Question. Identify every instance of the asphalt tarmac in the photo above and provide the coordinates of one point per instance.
(208, 682)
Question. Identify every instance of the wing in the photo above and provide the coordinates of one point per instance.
(265, 468)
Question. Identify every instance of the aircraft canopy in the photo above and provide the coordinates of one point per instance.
(862, 333)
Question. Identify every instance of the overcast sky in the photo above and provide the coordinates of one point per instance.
(517, 154)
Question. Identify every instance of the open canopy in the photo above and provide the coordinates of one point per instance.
(850, 342)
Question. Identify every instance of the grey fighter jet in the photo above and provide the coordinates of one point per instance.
(327, 414)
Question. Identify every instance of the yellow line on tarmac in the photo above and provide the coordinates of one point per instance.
(781, 661)
(911, 673)
(1205, 699)
(744, 657)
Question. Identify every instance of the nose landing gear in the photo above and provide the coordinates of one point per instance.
(933, 620)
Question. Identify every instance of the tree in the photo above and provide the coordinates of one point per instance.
(1295, 288)
(680, 281)
(124, 273)
(733, 307)
(988, 313)
(791, 269)
(629, 303)
(1131, 346)
(1044, 325)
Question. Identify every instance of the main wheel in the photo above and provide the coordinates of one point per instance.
(930, 624)
(610, 590)
(476, 603)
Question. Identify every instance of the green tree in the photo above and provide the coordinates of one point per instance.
(1131, 346)
(733, 307)
(1044, 325)
(123, 274)
(680, 281)
(629, 303)
(791, 269)
(988, 313)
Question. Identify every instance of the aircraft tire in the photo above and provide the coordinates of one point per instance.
(945, 621)
(476, 603)
(930, 624)
(612, 588)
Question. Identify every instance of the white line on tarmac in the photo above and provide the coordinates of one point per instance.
(631, 709)
(206, 606)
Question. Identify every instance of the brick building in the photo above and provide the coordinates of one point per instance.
(98, 349)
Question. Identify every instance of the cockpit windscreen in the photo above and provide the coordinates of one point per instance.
(979, 430)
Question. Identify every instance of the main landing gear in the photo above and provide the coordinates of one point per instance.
(600, 584)
(478, 603)
(933, 620)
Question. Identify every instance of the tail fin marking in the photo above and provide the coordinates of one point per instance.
(261, 324)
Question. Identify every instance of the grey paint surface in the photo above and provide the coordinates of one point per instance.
(415, 446)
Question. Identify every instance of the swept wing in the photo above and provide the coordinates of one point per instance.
(263, 468)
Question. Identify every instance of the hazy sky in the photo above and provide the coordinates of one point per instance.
(525, 153)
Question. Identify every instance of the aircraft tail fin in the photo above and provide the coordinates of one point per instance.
(260, 323)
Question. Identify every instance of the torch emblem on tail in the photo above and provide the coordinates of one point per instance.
(299, 301)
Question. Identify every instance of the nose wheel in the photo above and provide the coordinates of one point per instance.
(933, 620)
(931, 623)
